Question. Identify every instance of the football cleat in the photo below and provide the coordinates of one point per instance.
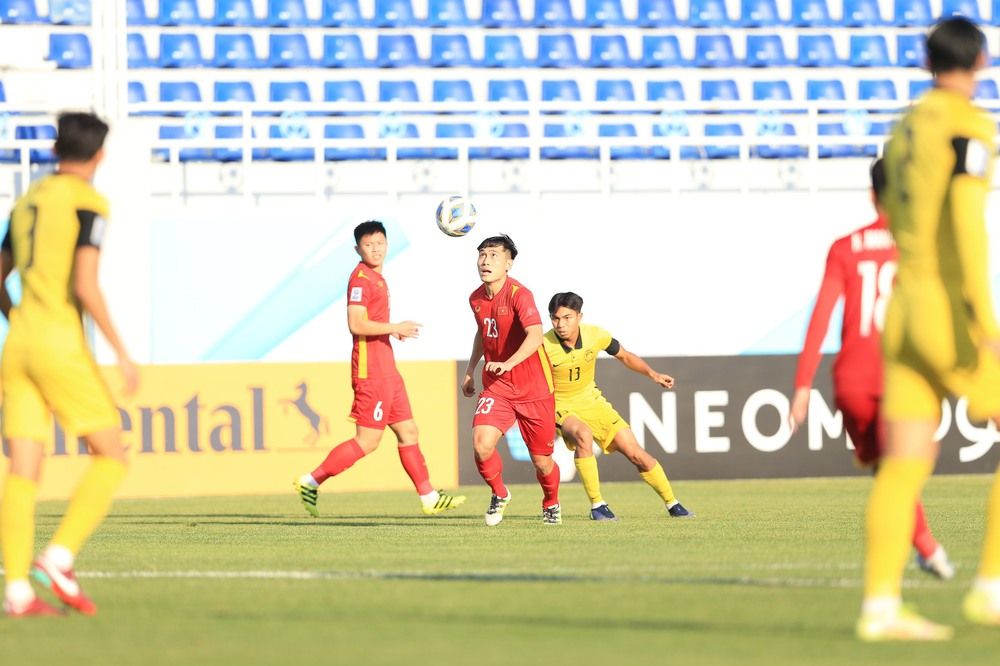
(551, 515)
(602, 512)
(981, 608)
(678, 511)
(901, 625)
(494, 514)
(34, 608)
(444, 503)
(937, 564)
(63, 584)
(309, 495)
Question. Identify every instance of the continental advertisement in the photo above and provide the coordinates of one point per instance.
(251, 428)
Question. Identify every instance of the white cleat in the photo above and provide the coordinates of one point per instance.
(937, 564)
(494, 514)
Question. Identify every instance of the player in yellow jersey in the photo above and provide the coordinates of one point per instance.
(53, 241)
(584, 416)
(941, 335)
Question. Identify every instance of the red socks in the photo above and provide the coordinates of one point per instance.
(550, 486)
(490, 469)
(414, 464)
(340, 458)
(923, 540)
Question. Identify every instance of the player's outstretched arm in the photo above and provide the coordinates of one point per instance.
(6, 266)
(469, 383)
(532, 341)
(88, 292)
(637, 364)
(359, 324)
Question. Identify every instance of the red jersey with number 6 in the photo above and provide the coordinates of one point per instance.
(861, 268)
(372, 355)
(502, 321)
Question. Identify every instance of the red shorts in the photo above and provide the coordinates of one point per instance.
(380, 402)
(863, 422)
(536, 419)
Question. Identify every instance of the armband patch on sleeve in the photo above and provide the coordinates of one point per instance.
(92, 228)
(355, 295)
(972, 157)
(613, 347)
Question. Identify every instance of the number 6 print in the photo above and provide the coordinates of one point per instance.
(377, 414)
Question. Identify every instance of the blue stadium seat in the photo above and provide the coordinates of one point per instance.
(457, 90)
(722, 90)
(566, 130)
(508, 90)
(288, 49)
(40, 133)
(554, 14)
(350, 90)
(911, 51)
(709, 14)
(70, 12)
(179, 12)
(673, 125)
(395, 14)
(609, 51)
(504, 131)
(657, 14)
(714, 51)
(766, 50)
(287, 13)
(664, 91)
(70, 50)
(398, 91)
(180, 49)
(397, 51)
(337, 13)
(407, 131)
(502, 14)
(137, 54)
(447, 13)
(919, 87)
(624, 130)
(662, 51)
(862, 14)
(772, 90)
(912, 13)
(965, 8)
(811, 14)
(604, 13)
(229, 13)
(234, 91)
(878, 89)
(781, 152)
(615, 90)
(557, 50)
(563, 90)
(136, 92)
(503, 51)
(289, 91)
(179, 91)
(292, 128)
(817, 51)
(235, 49)
(185, 131)
(869, 51)
(343, 51)
(135, 13)
(235, 154)
(452, 131)
(450, 50)
(987, 89)
(350, 131)
(760, 14)
(715, 151)
(840, 150)
(878, 129)
(826, 89)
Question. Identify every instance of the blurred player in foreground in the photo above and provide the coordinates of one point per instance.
(860, 268)
(54, 242)
(941, 335)
(380, 397)
(517, 380)
(582, 413)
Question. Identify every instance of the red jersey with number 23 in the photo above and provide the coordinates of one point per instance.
(502, 321)
(372, 355)
(861, 268)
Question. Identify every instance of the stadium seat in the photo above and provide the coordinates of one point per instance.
(564, 90)
(609, 51)
(810, 14)
(234, 91)
(840, 150)
(912, 13)
(708, 14)
(615, 90)
(447, 13)
(458, 90)
(135, 13)
(965, 8)
(503, 152)
(137, 54)
(554, 14)
(288, 49)
(343, 91)
(350, 131)
(185, 131)
(503, 51)
(557, 50)
(343, 51)
(664, 91)
(69, 50)
(657, 14)
(772, 90)
(291, 128)
(869, 51)
(229, 13)
(723, 90)
(662, 51)
(782, 151)
(862, 14)
(179, 12)
(337, 13)
(452, 131)
(673, 125)
(407, 131)
(829, 89)
(136, 92)
(502, 14)
(507, 90)
(568, 129)
(766, 50)
(395, 14)
(714, 51)
(716, 151)
(759, 14)
(623, 130)
(880, 130)
(817, 51)
(179, 91)
(289, 91)
(878, 89)
(235, 154)
(287, 13)
(40, 133)
(235, 49)
(987, 89)
(919, 87)
(450, 50)
(911, 51)
(605, 13)
(397, 51)
(70, 12)
(398, 91)
(180, 49)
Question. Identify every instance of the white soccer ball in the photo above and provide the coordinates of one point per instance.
(456, 216)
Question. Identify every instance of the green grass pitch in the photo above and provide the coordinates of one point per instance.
(768, 573)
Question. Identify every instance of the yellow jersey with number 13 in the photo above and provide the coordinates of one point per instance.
(573, 368)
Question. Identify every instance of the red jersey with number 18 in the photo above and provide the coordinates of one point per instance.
(372, 356)
(502, 321)
(861, 267)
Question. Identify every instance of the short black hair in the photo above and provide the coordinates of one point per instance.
(79, 136)
(878, 178)
(565, 299)
(366, 228)
(954, 44)
(504, 241)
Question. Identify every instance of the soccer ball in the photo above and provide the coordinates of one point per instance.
(456, 216)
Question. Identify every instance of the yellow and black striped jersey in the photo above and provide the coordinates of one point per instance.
(573, 368)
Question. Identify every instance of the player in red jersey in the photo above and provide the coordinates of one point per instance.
(517, 379)
(380, 398)
(861, 267)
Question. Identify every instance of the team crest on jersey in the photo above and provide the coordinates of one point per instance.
(476, 309)
(381, 284)
(355, 295)
(589, 356)
(503, 310)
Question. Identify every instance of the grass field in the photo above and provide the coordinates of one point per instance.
(768, 573)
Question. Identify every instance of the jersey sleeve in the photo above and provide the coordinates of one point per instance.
(830, 291)
(359, 291)
(92, 227)
(604, 341)
(524, 307)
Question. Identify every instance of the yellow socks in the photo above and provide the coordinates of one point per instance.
(587, 467)
(17, 526)
(657, 480)
(90, 503)
(889, 523)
